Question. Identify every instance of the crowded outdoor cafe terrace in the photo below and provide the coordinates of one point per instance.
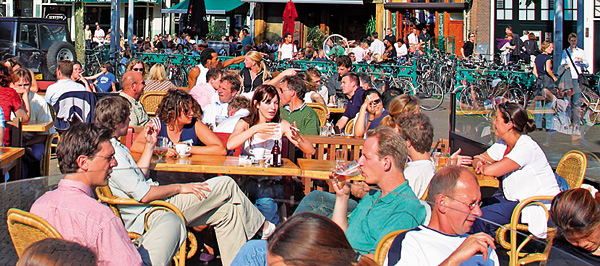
(390, 183)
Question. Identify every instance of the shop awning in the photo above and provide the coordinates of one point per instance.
(108, 1)
(334, 2)
(428, 6)
(213, 7)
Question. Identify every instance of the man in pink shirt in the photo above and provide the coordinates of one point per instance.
(87, 157)
(203, 92)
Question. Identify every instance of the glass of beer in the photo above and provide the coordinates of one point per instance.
(161, 149)
(347, 172)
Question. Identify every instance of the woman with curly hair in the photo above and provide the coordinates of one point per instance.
(176, 121)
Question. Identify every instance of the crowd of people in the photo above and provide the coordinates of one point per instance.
(258, 109)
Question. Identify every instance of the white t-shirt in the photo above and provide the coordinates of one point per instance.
(534, 177)
(202, 76)
(419, 174)
(401, 50)
(54, 91)
(413, 39)
(229, 124)
(211, 111)
(377, 47)
(287, 51)
(424, 246)
(359, 53)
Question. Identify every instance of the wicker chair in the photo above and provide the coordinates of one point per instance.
(151, 99)
(384, 245)
(349, 130)
(572, 167)
(186, 251)
(516, 256)
(26, 228)
(321, 111)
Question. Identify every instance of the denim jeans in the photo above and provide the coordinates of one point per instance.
(548, 116)
(499, 211)
(253, 253)
(321, 202)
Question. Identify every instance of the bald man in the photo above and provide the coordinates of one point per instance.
(133, 84)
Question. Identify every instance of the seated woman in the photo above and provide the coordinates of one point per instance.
(371, 112)
(519, 161)
(576, 214)
(400, 105)
(175, 121)
(305, 239)
(312, 79)
(157, 80)
(137, 65)
(261, 129)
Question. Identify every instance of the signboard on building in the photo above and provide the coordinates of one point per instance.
(56, 16)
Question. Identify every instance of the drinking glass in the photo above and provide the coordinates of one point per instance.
(348, 171)
(162, 145)
(340, 157)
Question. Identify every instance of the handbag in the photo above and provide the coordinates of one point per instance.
(585, 79)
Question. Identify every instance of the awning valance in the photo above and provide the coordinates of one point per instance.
(213, 7)
(334, 2)
(108, 1)
(428, 6)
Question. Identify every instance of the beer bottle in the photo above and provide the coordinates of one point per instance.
(276, 152)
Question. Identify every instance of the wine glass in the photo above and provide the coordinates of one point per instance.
(162, 145)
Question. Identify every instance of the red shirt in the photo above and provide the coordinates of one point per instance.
(9, 102)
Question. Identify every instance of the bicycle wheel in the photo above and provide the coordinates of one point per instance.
(431, 95)
(470, 99)
(515, 95)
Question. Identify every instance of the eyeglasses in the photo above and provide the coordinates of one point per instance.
(138, 69)
(108, 158)
(471, 206)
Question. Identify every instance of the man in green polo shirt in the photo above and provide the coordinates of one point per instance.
(291, 93)
(393, 206)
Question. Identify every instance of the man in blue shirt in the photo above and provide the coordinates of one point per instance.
(106, 81)
(354, 93)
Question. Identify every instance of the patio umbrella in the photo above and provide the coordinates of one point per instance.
(195, 22)
(289, 15)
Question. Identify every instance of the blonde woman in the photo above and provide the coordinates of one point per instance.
(157, 80)
(254, 72)
(137, 65)
(401, 105)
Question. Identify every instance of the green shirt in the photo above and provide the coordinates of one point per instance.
(374, 217)
(305, 117)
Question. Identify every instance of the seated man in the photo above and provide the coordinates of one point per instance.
(457, 198)
(86, 156)
(64, 70)
(133, 85)
(238, 109)
(389, 208)
(352, 91)
(417, 130)
(217, 112)
(291, 93)
(218, 201)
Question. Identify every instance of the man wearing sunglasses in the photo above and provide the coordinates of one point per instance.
(455, 202)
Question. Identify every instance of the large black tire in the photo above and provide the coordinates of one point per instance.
(58, 52)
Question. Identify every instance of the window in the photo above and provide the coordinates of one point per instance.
(597, 8)
(547, 10)
(504, 9)
(526, 12)
(570, 9)
(28, 36)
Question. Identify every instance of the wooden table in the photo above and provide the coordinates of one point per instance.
(221, 165)
(10, 160)
(35, 126)
(485, 180)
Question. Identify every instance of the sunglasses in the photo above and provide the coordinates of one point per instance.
(378, 101)
(138, 69)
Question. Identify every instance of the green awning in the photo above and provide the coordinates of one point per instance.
(213, 7)
(108, 1)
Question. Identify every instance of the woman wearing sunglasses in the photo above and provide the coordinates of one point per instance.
(137, 65)
(519, 162)
(371, 112)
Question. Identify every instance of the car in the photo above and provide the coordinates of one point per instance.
(38, 43)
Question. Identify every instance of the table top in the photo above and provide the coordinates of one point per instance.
(484, 180)
(319, 169)
(36, 126)
(8, 155)
(221, 165)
